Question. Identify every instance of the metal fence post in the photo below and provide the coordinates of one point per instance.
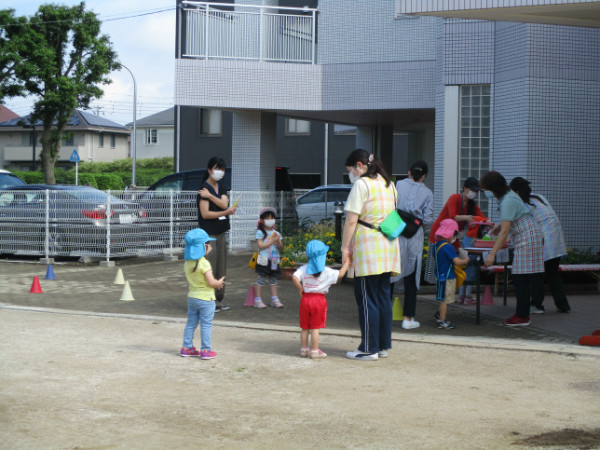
(47, 225)
(108, 217)
(171, 222)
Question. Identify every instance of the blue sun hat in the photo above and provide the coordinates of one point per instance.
(316, 252)
(194, 244)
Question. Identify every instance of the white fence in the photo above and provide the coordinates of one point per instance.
(252, 32)
(55, 223)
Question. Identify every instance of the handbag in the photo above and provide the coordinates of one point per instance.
(391, 227)
(252, 262)
(413, 223)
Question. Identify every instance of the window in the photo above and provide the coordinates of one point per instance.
(27, 138)
(113, 139)
(297, 127)
(344, 130)
(151, 136)
(101, 140)
(474, 140)
(210, 122)
(68, 139)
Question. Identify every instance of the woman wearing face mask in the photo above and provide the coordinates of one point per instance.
(213, 217)
(374, 257)
(463, 209)
(416, 198)
(527, 241)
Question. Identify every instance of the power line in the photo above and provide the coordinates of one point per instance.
(133, 16)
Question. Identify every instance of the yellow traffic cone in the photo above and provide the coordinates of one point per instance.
(127, 296)
(119, 278)
(397, 310)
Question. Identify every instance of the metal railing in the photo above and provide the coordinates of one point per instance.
(126, 223)
(250, 32)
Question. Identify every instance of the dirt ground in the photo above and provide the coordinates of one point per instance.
(90, 381)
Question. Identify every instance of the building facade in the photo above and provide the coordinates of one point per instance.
(468, 95)
(95, 139)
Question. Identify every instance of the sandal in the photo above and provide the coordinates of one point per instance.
(304, 352)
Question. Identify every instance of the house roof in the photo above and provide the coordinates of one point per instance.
(163, 118)
(6, 114)
(79, 119)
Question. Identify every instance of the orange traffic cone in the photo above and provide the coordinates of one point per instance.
(35, 286)
(250, 296)
(487, 298)
(590, 340)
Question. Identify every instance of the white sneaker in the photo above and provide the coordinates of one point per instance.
(259, 304)
(362, 356)
(383, 353)
(536, 310)
(410, 324)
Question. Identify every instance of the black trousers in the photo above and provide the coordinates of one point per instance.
(529, 290)
(555, 284)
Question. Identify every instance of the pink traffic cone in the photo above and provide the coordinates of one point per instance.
(250, 296)
(36, 288)
(487, 298)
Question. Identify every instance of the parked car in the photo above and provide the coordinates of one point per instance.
(75, 217)
(172, 221)
(190, 180)
(9, 179)
(318, 205)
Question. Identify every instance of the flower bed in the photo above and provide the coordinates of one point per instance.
(294, 247)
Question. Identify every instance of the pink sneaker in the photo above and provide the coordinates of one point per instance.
(207, 354)
(189, 351)
(259, 304)
(470, 301)
(317, 354)
(460, 299)
(304, 352)
(275, 303)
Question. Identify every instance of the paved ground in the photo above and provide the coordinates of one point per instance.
(81, 369)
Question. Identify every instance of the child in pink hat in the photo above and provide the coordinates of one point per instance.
(445, 259)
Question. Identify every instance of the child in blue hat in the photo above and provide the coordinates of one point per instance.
(201, 294)
(313, 281)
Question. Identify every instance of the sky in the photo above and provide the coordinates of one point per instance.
(143, 35)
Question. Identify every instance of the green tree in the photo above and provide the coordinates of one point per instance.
(59, 57)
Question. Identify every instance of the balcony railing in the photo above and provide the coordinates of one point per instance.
(249, 32)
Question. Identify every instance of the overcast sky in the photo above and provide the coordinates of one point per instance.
(143, 35)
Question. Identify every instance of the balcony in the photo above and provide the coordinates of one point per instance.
(248, 32)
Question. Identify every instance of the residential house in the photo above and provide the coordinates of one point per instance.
(95, 139)
(472, 95)
(154, 135)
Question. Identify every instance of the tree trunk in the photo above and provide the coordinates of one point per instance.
(47, 159)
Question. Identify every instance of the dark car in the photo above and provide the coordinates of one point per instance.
(190, 180)
(318, 205)
(9, 179)
(68, 220)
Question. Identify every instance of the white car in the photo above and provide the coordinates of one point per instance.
(318, 205)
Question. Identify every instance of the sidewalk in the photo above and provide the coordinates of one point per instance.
(159, 289)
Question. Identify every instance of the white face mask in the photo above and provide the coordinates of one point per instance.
(471, 195)
(353, 178)
(218, 174)
(269, 223)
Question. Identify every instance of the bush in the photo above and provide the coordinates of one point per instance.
(107, 181)
(576, 256)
